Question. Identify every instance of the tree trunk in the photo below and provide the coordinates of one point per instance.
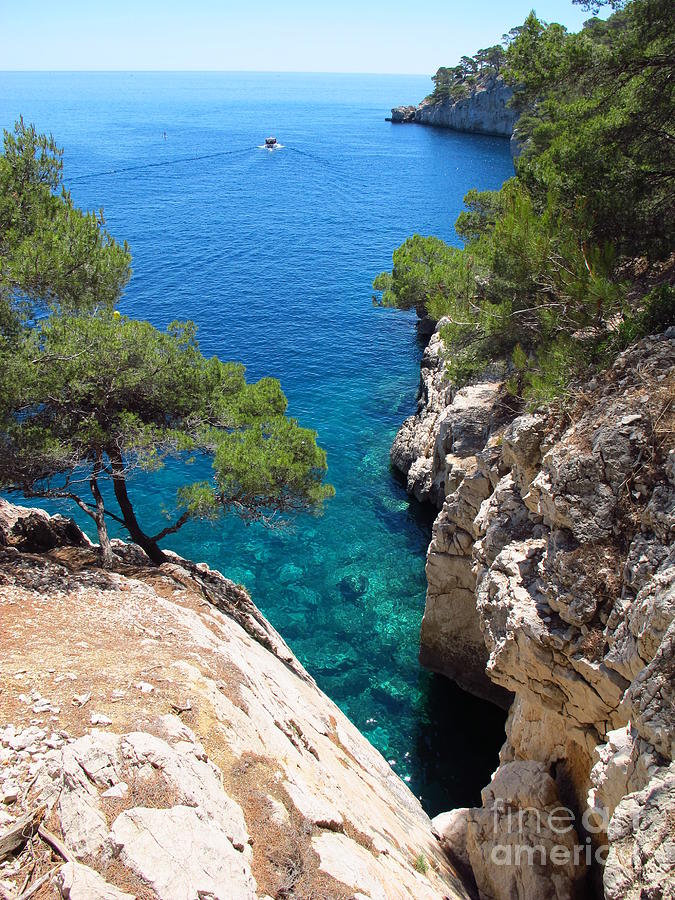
(138, 536)
(107, 556)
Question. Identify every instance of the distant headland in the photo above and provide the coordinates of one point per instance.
(471, 97)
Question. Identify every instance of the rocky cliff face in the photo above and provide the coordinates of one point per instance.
(443, 451)
(159, 740)
(485, 111)
(552, 576)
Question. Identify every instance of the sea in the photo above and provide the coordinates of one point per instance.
(273, 255)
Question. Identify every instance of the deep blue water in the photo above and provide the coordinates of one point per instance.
(273, 255)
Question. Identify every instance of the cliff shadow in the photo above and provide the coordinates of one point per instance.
(458, 737)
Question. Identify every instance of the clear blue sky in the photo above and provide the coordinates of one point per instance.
(288, 35)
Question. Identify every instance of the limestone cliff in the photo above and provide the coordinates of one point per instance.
(484, 111)
(440, 451)
(158, 739)
(551, 575)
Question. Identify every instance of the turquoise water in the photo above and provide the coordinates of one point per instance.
(273, 255)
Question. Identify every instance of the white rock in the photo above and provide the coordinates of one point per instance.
(100, 719)
(176, 729)
(641, 858)
(180, 856)
(451, 828)
(27, 738)
(81, 699)
(78, 882)
(117, 790)
(88, 763)
(279, 813)
(522, 843)
(485, 111)
(10, 792)
(7, 734)
(196, 783)
(55, 741)
(367, 874)
(315, 809)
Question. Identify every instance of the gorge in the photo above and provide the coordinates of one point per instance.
(346, 590)
(172, 732)
(145, 701)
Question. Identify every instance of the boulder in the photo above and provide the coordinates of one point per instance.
(180, 856)
(452, 828)
(522, 843)
(403, 114)
(39, 533)
(77, 882)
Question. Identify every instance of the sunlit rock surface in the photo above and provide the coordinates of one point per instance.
(485, 111)
(551, 575)
(181, 749)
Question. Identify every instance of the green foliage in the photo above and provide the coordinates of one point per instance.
(421, 864)
(52, 255)
(536, 59)
(88, 395)
(458, 82)
(523, 281)
(482, 211)
(549, 374)
(597, 122)
(418, 276)
(653, 315)
(272, 466)
(537, 285)
(596, 5)
(108, 390)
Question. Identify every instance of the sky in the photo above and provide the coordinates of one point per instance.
(285, 36)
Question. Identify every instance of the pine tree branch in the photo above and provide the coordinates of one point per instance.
(171, 529)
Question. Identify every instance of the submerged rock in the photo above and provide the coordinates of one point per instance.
(289, 573)
(353, 586)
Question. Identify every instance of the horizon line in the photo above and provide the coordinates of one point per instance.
(206, 72)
